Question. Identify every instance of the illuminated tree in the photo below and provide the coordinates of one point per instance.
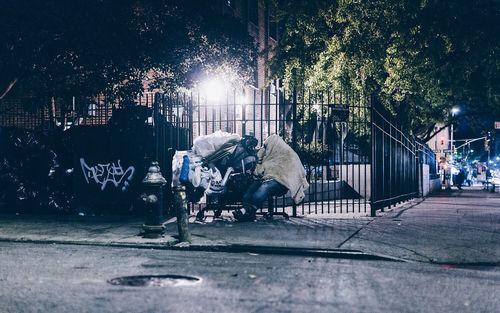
(419, 58)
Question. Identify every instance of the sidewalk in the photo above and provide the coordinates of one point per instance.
(460, 227)
(457, 227)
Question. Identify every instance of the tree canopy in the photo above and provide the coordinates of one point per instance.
(420, 58)
(86, 47)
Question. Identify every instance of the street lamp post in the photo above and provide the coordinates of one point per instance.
(451, 143)
(454, 111)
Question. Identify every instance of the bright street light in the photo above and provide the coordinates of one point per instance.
(213, 88)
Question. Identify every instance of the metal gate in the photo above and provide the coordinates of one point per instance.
(330, 130)
(357, 159)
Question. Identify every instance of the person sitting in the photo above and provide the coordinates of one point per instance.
(278, 170)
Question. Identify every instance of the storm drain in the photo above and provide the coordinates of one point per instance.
(155, 281)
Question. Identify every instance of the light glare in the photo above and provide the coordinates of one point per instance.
(213, 89)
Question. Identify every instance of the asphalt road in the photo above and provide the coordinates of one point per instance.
(68, 278)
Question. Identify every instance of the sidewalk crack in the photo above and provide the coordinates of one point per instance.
(410, 207)
(397, 215)
(429, 260)
(354, 234)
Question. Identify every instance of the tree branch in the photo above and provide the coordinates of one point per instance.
(432, 134)
(9, 87)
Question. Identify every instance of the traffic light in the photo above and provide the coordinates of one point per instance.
(442, 141)
(487, 142)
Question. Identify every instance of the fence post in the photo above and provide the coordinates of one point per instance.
(181, 207)
(190, 121)
(156, 104)
(419, 168)
(294, 136)
(391, 162)
(372, 165)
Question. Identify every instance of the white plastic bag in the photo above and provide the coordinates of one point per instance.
(204, 146)
(215, 185)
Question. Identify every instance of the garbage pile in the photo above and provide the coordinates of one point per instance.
(218, 168)
(31, 176)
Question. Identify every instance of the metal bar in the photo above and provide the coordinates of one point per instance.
(373, 197)
(294, 137)
(342, 157)
(337, 167)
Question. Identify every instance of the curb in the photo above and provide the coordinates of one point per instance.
(226, 248)
(293, 251)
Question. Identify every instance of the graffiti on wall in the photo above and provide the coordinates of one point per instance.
(109, 173)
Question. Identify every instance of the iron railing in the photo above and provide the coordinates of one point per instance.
(356, 157)
(329, 130)
(395, 162)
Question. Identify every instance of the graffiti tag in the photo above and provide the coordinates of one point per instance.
(102, 174)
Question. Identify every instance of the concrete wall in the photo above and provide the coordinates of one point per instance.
(428, 185)
(358, 176)
(434, 185)
(319, 191)
(424, 184)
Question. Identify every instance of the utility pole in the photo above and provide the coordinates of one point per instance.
(454, 111)
(451, 144)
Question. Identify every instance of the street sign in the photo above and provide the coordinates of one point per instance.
(497, 125)
(339, 112)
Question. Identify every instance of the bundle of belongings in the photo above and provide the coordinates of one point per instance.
(278, 171)
(227, 169)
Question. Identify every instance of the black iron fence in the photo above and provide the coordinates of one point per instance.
(329, 130)
(356, 158)
(395, 166)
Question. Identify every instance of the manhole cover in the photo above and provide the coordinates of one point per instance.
(154, 280)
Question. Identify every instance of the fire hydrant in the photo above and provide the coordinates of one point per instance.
(153, 196)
